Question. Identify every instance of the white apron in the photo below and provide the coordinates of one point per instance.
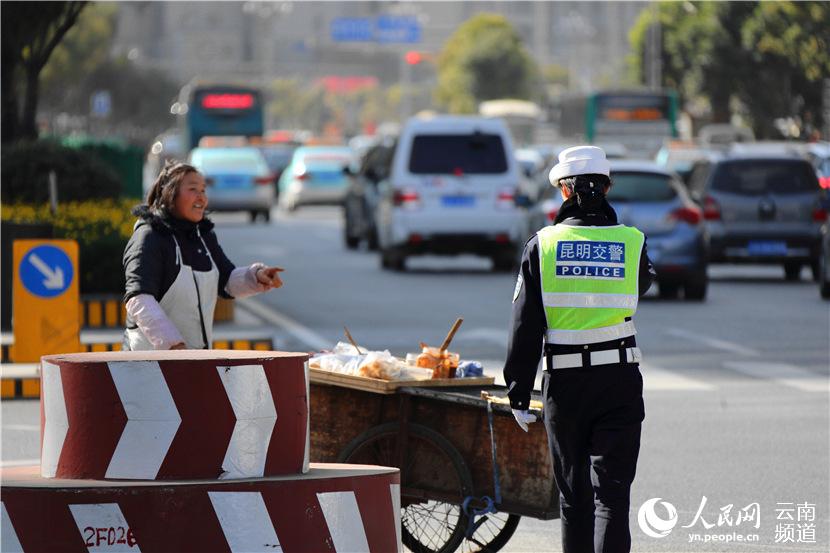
(188, 303)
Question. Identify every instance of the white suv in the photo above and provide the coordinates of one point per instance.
(452, 189)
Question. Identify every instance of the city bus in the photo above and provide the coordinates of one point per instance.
(219, 110)
(522, 117)
(641, 121)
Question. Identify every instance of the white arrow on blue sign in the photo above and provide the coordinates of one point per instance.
(46, 271)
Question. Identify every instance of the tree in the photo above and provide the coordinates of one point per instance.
(31, 32)
(767, 57)
(701, 50)
(82, 65)
(484, 60)
(791, 42)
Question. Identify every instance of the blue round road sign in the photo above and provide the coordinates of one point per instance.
(46, 271)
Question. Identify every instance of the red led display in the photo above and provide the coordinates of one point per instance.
(228, 101)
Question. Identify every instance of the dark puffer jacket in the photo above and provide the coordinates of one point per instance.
(150, 256)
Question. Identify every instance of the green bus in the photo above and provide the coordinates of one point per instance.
(640, 121)
(208, 109)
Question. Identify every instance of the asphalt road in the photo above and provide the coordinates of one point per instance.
(736, 388)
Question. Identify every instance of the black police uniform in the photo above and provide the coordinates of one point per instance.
(592, 415)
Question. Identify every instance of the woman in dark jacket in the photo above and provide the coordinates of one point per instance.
(175, 268)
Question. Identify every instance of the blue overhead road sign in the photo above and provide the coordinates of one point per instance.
(352, 29)
(385, 29)
(399, 29)
(46, 271)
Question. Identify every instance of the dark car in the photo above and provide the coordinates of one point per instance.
(761, 209)
(362, 194)
(278, 157)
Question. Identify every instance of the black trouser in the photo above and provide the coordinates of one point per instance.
(593, 418)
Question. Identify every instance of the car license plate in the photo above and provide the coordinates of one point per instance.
(458, 201)
(772, 247)
(327, 177)
(232, 181)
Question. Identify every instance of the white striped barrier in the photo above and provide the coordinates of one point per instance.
(333, 507)
(162, 415)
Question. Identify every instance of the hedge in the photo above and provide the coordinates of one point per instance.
(101, 229)
(25, 169)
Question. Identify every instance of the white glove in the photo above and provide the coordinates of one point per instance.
(523, 418)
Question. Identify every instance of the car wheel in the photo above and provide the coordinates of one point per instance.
(266, 215)
(668, 290)
(352, 241)
(372, 240)
(792, 270)
(823, 283)
(253, 215)
(392, 259)
(815, 269)
(694, 289)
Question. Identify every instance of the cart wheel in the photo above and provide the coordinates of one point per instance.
(493, 534)
(432, 463)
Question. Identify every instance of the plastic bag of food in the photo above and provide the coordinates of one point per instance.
(411, 372)
(469, 369)
(338, 363)
(380, 364)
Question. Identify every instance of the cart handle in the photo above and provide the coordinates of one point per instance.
(489, 502)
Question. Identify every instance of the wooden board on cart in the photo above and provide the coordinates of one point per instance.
(379, 386)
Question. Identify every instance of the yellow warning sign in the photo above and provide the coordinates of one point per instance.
(45, 299)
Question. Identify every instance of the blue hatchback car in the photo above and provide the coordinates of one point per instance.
(647, 196)
(655, 201)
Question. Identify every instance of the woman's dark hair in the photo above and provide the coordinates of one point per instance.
(162, 195)
(589, 189)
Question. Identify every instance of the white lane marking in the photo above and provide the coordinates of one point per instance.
(788, 375)
(495, 335)
(245, 521)
(343, 519)
(103, 527)
(19, 463)
(660, 379)
(395, 491)
(250, 397)
(22, 427)
(299, 331)
(715, 343)
(9, 542)
(57, 422)
(152, 420)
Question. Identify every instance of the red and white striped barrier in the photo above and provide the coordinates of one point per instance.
(161, 415)
(340, 508)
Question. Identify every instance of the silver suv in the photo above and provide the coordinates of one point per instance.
(760, 209)
(453, 189)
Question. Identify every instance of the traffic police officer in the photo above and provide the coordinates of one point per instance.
(576, 292)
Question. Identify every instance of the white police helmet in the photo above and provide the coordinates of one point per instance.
(579, 160)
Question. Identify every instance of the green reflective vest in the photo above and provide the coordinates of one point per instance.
(589, 281)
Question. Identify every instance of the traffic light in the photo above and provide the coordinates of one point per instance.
(413, 57)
